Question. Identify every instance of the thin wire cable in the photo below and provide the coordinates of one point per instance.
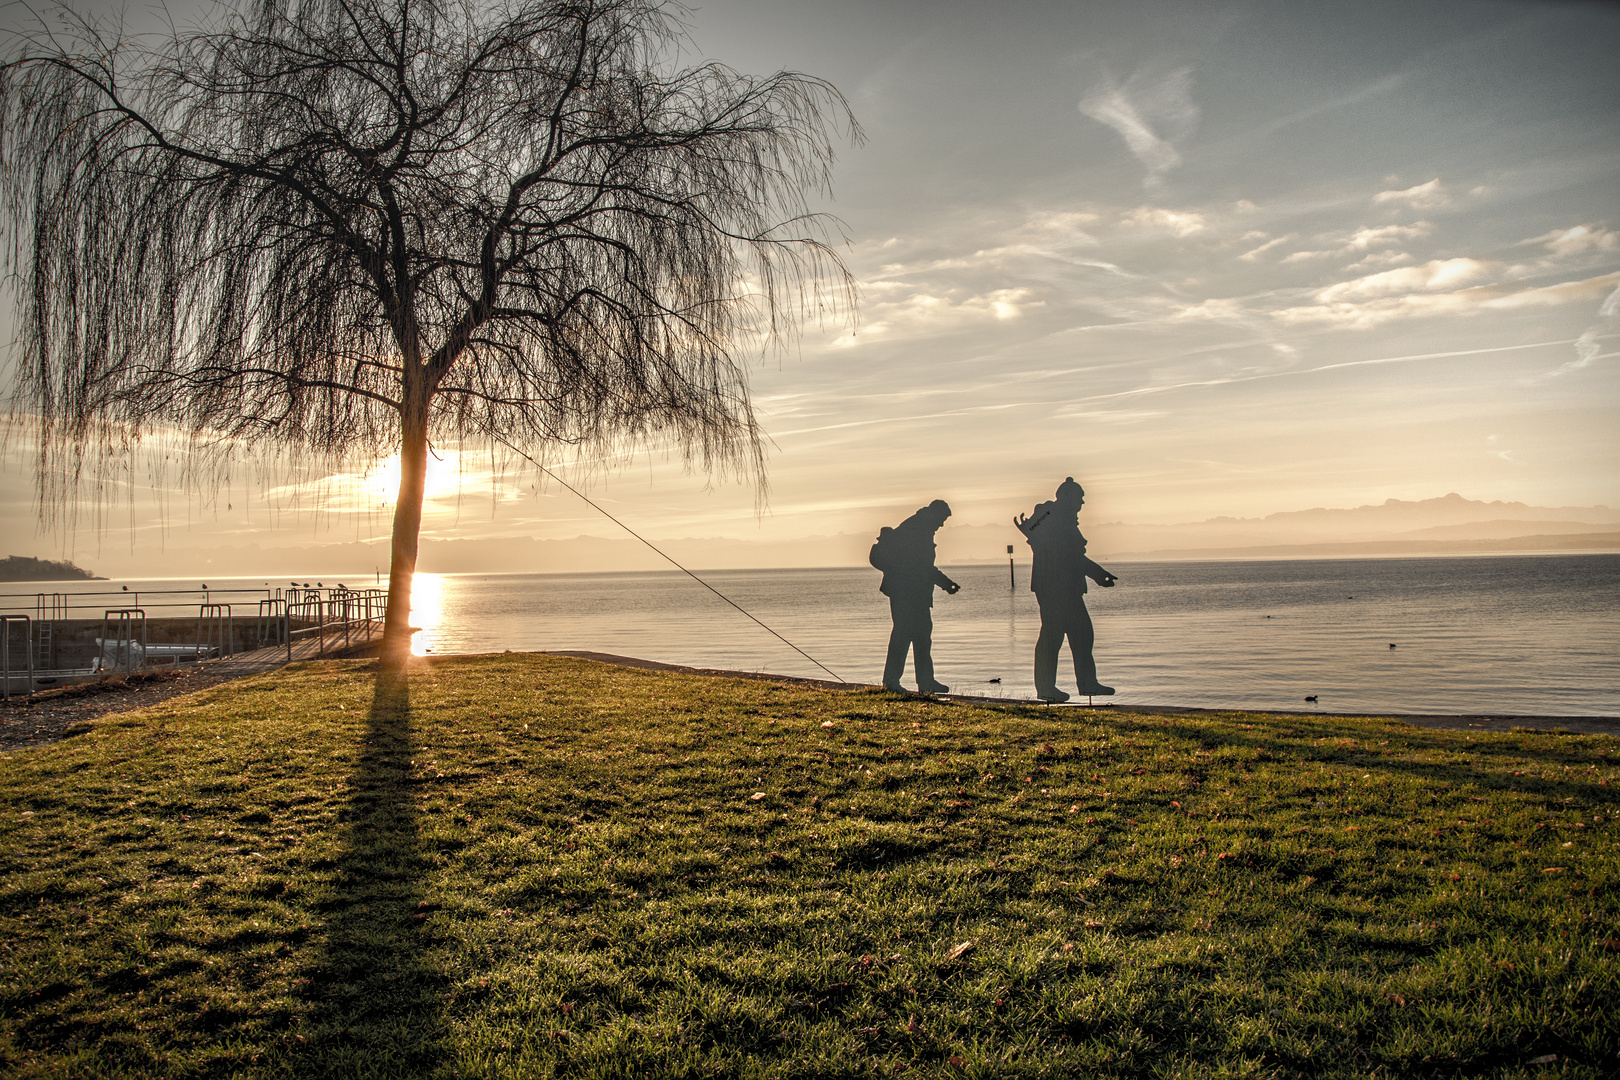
(673, 563)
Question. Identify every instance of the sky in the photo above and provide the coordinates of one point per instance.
(1209, 259)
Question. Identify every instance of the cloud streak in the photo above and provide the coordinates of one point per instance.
(1359, 304)
(1419, 197)
(1149, 113)
(1587, 348)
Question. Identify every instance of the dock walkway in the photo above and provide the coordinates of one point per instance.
(260, 660)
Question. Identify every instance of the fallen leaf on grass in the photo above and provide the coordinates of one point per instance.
(756, 796)
(826, 723)
(959, 951)
(912, 1027)
(1544, 1059)
(957, 1061)
(1553, 869)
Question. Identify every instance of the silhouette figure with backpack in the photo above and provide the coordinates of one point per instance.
(905, 554)
(1058, 579)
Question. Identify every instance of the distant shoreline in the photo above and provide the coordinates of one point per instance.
(17, 568)
(1171, 556)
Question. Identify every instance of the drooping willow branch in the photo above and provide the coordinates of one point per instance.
(280, 231)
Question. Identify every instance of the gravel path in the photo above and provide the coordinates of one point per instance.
(52, 715)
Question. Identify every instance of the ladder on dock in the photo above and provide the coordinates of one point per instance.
(50, 609)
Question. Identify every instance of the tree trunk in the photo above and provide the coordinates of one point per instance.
(413, 452)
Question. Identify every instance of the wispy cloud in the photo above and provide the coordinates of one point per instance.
(1176, 222)
(1432, 276)
(1587, 347)
(1379, 259)
(1577, 241)
(1150, 112)
(922, 313)
(1365, 238)
(1295, 373)
(1355, 97)
(1367, 302)
(1254, 253)
(1420, 197)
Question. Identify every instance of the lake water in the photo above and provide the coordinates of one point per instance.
(1525, 635)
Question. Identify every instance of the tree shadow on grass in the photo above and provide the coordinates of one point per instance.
(376, 994)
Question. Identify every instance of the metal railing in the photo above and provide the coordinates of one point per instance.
(340, 612)
(6, 623)
(124, 644)
(273, 627)
(58, 643)
(215, 629)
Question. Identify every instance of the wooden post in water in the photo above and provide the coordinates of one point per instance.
(1012, 581)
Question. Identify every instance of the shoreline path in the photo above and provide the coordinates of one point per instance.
(54, 715)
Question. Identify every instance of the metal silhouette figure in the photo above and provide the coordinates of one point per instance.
(905, 554)
(1058, 579)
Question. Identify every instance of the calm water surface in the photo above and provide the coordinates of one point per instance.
(1530, 635)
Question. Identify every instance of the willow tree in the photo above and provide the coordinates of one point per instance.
(344, 227)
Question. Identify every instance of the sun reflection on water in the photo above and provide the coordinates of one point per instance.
(427, 611)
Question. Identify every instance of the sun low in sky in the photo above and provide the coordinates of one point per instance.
(1209, 259)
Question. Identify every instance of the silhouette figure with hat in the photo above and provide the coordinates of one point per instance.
(905, 554)
(1058, 579)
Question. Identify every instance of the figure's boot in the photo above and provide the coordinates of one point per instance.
(926, 683)
(1085, 676)
(894, 665)
(1046, 672)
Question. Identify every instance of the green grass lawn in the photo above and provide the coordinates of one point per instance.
(529, 866)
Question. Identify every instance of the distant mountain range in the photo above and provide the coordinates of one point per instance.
(1450, 524)
(1444, 526)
